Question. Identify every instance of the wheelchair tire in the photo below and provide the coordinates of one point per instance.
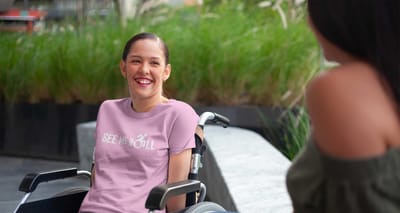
(203, 207)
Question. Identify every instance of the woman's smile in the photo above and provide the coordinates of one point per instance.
(143, 81)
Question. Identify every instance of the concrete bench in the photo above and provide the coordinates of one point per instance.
(86, 141)
(242, 171)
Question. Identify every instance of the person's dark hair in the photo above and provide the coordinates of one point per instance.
(367, 29)
(145, 35)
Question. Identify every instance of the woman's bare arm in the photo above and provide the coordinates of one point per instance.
(179, 165)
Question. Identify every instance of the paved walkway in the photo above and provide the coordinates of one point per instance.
(13, 170)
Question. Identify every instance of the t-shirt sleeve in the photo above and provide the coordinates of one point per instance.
(183, 130)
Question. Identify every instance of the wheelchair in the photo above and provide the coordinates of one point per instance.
(69, 201)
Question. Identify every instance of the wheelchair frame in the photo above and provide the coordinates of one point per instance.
(193, 188)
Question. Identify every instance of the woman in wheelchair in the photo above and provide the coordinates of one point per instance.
(143, 140)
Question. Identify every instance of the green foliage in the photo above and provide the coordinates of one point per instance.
(62, 66)
(289, 132)
(224, 55)
(297, 132)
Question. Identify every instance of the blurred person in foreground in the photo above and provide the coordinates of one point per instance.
(352, 161)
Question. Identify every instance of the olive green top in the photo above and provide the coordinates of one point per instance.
(318, 183)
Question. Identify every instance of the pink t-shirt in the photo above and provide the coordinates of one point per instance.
(131, 153)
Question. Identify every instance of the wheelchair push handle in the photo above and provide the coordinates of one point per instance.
(204, 117)
(197, 152)
(213, 117)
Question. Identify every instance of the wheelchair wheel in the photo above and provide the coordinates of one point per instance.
(203, 207)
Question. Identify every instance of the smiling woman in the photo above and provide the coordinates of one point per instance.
(143, 140)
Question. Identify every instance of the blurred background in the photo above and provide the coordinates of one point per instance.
(248, 59)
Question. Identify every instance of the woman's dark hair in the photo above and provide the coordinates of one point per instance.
(145, 35)
(367, 29)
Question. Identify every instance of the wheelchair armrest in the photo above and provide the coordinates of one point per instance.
(31, 180)
(159, 195)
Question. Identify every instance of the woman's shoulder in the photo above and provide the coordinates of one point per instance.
(112, 104)
(181, 110)
(117, 101)
(356, 75)
(180, 105)
(349, 108)
(354, 83)
(347, 87)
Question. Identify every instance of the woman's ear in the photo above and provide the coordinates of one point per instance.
(167, 72)
(122, 68)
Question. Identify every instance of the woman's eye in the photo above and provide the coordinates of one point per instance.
(154, 63)
(135, 61)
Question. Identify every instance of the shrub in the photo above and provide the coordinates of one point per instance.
(222, 56)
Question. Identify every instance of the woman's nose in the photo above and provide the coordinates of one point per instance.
(145, 68)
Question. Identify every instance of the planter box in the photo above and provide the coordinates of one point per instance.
(48, 130)
(42, 130)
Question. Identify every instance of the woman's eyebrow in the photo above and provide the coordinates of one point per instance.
(139, 56)
(155, 57)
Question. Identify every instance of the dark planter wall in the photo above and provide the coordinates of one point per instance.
(2, 125)
(42, 130)
(48, 130)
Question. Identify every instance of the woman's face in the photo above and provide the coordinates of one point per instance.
(145, 69)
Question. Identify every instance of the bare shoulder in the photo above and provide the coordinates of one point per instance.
(345, 82)
(351, 111)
